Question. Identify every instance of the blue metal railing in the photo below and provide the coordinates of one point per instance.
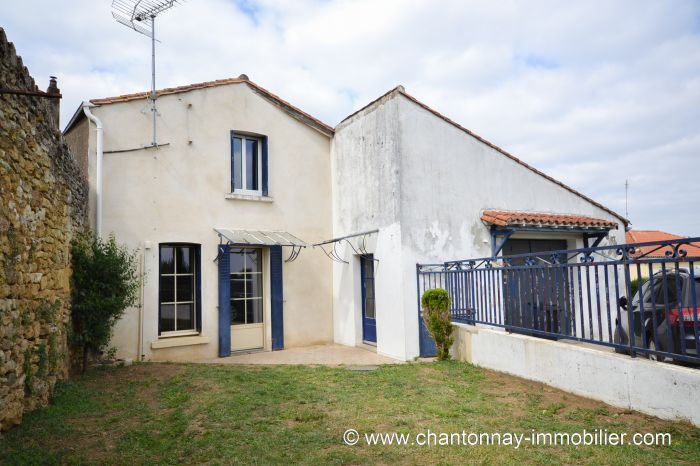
(582, 294)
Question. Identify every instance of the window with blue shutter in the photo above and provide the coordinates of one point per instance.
(249, 166)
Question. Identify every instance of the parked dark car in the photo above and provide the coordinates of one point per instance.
(656, 304)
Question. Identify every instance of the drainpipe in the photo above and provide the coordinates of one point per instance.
(98, 167)
(146, 246)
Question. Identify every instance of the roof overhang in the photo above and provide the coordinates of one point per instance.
(259, 238)
(285, 106)
(77, 116)
(518, 220)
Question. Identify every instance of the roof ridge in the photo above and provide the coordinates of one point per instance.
(217, 82)
(652, 231)
(397, 88)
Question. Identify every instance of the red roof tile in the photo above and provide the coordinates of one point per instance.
(222, 82)
(645, 236)
(505, 218)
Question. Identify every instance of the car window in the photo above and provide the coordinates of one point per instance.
(697, 293)
(667, 290)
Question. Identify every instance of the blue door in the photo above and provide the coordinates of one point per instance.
(369, 322)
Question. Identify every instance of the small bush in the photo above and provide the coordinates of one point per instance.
(104, 284)
(436, 314)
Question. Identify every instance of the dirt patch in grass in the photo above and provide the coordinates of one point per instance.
(517, 393)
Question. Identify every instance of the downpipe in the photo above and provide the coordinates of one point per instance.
(143, 274)
(98, 166)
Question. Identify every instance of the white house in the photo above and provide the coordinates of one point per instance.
(262, 228)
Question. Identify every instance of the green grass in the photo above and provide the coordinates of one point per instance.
(210, 414)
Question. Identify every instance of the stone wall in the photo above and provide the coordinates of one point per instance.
(43, 200)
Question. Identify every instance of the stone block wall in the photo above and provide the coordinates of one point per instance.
(43, 204)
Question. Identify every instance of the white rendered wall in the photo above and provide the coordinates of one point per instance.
(397, 164)
(660, 389)
(366, 197)
(177, 193)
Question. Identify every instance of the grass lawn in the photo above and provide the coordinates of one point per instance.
(216, 414)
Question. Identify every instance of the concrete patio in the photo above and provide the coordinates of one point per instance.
(325, 355)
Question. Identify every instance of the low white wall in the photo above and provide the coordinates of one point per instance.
(663, 390)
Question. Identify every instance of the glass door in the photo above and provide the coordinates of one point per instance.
(247, 321)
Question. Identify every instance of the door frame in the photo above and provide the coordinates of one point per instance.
(266, 303)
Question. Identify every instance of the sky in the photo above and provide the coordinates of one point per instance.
(593, 93)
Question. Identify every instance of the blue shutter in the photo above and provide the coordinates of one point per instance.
(264, 166)
(160, 295)
(224, 301)
(277, 322)
(233, 187)
(198, 286)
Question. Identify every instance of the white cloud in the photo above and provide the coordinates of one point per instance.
(591, 92)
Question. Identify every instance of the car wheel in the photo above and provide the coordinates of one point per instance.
(652, 346)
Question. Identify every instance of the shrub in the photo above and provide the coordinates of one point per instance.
(103, 285)
(436, 314)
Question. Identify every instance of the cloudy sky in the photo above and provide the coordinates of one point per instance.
(593, 93)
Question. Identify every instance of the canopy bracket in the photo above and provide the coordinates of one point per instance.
(360, 250)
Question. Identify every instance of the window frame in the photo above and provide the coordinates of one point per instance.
(261, 276)
(197, 291)
(262, 164)
(368, 283)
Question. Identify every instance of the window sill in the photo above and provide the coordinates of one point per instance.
(179, 341)
(248, 197)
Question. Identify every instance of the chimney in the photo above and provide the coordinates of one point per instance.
(55, 103)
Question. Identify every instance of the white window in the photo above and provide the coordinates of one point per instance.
(246, 166)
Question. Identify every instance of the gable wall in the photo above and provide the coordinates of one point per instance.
(177, 193)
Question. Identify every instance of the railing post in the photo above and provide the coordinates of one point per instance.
(630, 298)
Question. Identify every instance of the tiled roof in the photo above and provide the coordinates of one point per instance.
(644, 236)
(222, 82)
(507, 218)
(399, 90)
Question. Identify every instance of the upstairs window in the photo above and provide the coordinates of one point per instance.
(248, 164)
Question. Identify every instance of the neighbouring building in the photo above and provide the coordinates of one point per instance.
(262, 228)
(647, 253)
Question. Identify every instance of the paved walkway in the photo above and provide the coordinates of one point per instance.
(326, 355)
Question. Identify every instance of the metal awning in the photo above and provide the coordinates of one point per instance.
(260, 238)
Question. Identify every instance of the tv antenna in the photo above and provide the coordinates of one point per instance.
(627, 187)
(140, 15)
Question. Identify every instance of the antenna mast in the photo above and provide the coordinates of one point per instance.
(627, 185)
(140, 15)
